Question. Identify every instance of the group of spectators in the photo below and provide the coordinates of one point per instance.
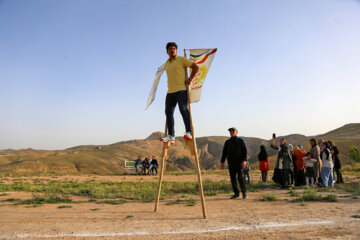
(148, 166)
(297, 167)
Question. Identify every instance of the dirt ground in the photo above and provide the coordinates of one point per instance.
(227, 219)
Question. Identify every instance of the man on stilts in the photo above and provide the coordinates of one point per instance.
(175, 68)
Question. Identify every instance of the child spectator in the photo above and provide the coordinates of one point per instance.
(309, 163)
(246, 171)
(263, 163)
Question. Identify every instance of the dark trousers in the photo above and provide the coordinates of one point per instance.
(339, 178)
(236, 175)
(300, 178)
(264, 176)
(285, 177)
(181, 98)
(292, 176)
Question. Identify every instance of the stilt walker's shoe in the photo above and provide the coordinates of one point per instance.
(188, 136)
(168, 138)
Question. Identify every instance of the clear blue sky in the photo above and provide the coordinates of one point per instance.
(79, 72)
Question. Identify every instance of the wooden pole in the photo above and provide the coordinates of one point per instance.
(195, 150)
(166, 146)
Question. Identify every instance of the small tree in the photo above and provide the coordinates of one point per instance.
(354, 153)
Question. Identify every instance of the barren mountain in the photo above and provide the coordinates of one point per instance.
(110, 159)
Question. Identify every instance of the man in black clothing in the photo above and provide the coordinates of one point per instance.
(155, 165)
(236, 153)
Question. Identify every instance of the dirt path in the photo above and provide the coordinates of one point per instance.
(227, 219)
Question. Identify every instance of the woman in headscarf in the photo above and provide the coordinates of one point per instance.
(263, 163)
(337, 163)
(299, 154)
(315, 154)
(327, 166)
(283, 163)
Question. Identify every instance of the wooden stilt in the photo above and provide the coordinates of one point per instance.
(164, 154)
(194, 149)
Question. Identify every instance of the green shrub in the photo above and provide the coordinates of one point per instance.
(268, 197)
(191, 202)
(46, 199)
(352, 187)
(354, 153)
(293, 193)
(312, 195)
(113, 202)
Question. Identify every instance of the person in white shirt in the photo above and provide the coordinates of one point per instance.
(309, 163)
(327, 174)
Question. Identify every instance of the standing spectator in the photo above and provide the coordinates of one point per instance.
(246, 172)
(236, 153)
(263, 159)
(315, 154)
(309, 163)
(155, 165)
(138, 166)
(337, 163)
(327, 176)
(299, 154)
(293, 166)
(284, 161)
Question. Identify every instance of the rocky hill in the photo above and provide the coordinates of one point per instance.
(110, 159)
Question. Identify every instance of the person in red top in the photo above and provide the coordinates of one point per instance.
(263, 163)
(299, 154)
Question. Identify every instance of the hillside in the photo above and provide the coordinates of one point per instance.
(110, 159)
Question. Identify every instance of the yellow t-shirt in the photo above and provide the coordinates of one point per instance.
(175, 71)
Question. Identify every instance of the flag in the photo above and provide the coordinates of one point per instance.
(155, 85)
(203, 59)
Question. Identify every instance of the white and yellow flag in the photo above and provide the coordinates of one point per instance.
(203, 58)
(155, 85)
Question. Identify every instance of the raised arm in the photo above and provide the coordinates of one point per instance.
(273, 146)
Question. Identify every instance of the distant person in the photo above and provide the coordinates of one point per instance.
(320, 142)
(263, 159)
(315, 154)
(246, 172)
(293, 166)
(284, 161)
(175, 68)
(150, 166)
(327, 176)
(138, 165)
(146, 166)
(155, 165)
(310, 173)
(337, 163)
(299, 154)
(236, 153)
